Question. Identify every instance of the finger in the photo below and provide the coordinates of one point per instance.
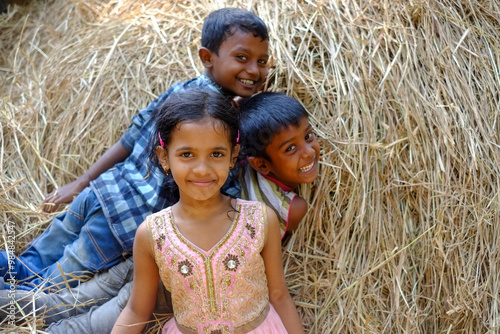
(48, 198)
(48, 207)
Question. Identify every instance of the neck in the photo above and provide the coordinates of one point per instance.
(190, 208)
(283, 186)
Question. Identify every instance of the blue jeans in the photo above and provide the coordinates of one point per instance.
(92, 307)
(78, 243)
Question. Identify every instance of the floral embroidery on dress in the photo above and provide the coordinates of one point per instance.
(222, 330)
(185, 268)
(251, 230)
(221, 283)
(231, 262)
(160, 242)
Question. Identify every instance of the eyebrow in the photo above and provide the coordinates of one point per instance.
(291, 139)
(244, 49)
(189, 148)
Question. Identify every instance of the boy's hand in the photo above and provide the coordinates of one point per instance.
(64, 194)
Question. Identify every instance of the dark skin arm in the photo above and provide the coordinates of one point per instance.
(65, 194)
(297, 211)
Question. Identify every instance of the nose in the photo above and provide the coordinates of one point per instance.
(202, 168)
(252, 68)
(308, 151)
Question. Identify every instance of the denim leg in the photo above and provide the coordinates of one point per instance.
(94, 249)
(47, 248)
(11, 269)
(68, 302)
(101, 319)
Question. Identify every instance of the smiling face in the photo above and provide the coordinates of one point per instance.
(240, 65)
(199, 156)
(294, 155)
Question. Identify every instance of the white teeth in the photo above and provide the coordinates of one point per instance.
(247, 82)
(307, 168)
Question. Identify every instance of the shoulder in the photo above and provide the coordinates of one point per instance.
(180, 87)
(202, 82)
(246, 202)
(250, 205)
(156, 219)
(258, 210)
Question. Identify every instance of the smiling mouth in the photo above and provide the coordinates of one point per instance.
(202, 183)
(247, 82)
(307, 168)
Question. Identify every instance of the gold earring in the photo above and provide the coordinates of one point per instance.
(166, 170)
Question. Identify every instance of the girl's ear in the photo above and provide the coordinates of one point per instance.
(161, 153)
(234, 156)
(261, 165)
(206, 57)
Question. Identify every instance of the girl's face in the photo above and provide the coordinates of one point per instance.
(199, 156)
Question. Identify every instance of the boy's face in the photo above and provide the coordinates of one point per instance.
(240, 67)
(294, 154)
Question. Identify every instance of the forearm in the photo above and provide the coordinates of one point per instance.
(130, 322)
(117, 153)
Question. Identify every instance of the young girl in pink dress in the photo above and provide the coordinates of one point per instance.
(220, 257)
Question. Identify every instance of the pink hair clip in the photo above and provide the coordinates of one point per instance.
(238, 138)
(161, 141)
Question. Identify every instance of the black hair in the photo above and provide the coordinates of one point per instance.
(264, 115)
(222, 23)
(190, 105)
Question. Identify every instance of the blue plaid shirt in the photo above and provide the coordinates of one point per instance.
(131, 190)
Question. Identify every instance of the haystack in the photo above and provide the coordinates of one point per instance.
(404, 225)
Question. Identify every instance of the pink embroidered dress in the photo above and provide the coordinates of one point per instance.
(222, 290)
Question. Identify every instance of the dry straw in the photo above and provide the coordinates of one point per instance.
(403, 228)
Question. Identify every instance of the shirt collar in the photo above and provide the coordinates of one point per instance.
(278, 183)
(212, 83)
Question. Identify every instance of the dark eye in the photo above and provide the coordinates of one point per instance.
(217, 154)
(186, 155)
(242, 57)
(310, 136)
(290, 148)
(263, 61)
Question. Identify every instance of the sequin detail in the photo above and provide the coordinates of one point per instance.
(251, 230)
(217, 331)
(222, 289)
(160, 242)
(185, 268)
(231, 262)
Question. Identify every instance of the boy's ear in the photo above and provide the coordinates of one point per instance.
(161, 153)
(261, 165)
(234, 156)
(206, 57)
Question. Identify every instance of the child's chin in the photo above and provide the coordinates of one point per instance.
(311, 180)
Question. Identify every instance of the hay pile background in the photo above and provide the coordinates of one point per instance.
(404, 226)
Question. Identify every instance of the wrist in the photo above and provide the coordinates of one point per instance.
(84, 180)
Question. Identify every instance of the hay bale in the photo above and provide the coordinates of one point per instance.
(403, 230)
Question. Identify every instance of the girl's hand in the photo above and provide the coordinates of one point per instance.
(64, 194)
